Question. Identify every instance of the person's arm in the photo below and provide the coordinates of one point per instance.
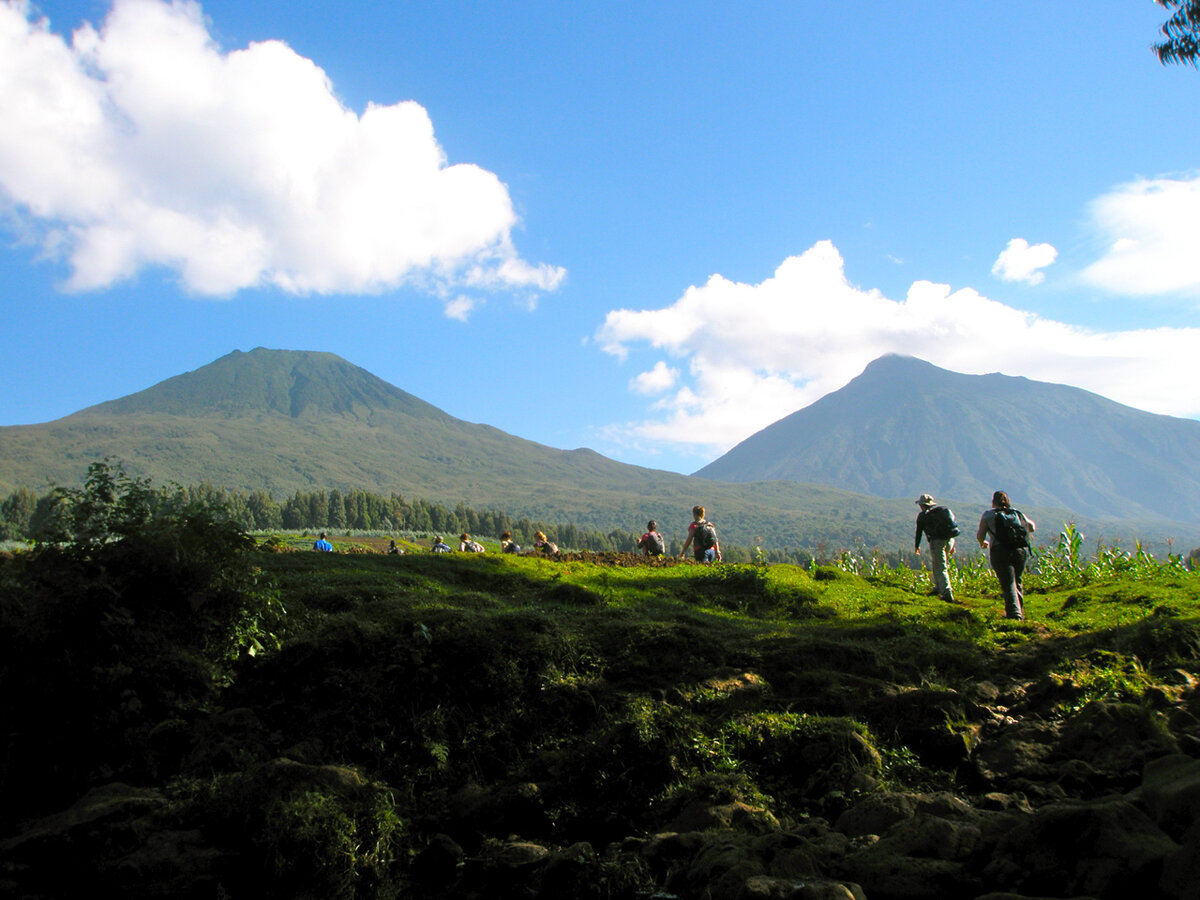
(688, 542)
(917, 536)
(981, 532)
(717, 547)
(1029, 524)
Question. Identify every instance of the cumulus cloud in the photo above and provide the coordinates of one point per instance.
(144, 144)
(1021, 262)
(1151, 228)
(757, 352)
(661, 378)
(460, 307)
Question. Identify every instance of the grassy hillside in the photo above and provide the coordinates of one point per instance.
(592, 726)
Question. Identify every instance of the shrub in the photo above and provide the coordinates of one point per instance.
(130, 610)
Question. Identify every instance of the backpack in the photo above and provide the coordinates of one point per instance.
(1009, 529)
(654, 543)
(705, 535)
(938, 522)
(474, 547)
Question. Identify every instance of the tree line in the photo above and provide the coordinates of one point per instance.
(25, 515)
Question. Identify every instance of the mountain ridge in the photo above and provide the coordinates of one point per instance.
(905, 426)
(285, 421)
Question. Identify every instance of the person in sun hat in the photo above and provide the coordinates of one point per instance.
(937, 524)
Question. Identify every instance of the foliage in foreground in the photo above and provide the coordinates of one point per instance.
(131, 615)
(587, 698)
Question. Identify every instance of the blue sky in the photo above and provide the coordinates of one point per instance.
(647, 228)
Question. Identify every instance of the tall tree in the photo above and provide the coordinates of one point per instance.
(1182, 33)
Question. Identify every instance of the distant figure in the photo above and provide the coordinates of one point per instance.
(542, 545)
(652, 543)
(1004, 533)
(938, 525)
(466, 545)
(323, 545)
(393, 550)
(440, 546)
(507, 544)
(702, 538)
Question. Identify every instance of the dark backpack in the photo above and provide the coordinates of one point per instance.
(1009, 529)
(938, 522)
(655, 544)
(705, 535)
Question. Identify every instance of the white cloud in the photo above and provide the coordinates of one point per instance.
(1151, 228)
(460, 307)
(1021, 262)
(757, 352)
(145, 144)
(661, 378)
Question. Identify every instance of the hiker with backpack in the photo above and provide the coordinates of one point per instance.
(702, 538)
(938, 525)
(652, 543)
(544, 545)
(1004, 533)
(466, 545)
(507, 544)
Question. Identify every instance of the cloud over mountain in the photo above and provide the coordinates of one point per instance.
(757, 352)
(144, 144)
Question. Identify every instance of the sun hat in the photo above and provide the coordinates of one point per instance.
(926, 500)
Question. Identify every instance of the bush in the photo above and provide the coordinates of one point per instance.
(130, 610)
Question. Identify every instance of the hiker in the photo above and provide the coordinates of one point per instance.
(938, 525)
(543, 545)
(466, 545)
(507, 544)
(322, 545)
(393, 550)
(440, 546)
(702, 538)
(652, 543)
(1004, 533)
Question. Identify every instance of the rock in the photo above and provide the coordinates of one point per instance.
(498, 809)
(1170, 791)
(110, 839)
(1016, 751)
(1105, 848)
(763, 887)
(572, 872)
(942, 727)
(170, 865)
(699, 815)
(439, 862)
(1181, 869)
(504, 868)
(85, 822)
(1116, 738)
(887, 876)
(228, 741)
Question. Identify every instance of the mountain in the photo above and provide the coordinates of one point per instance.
(904, 427)
(283, 421)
